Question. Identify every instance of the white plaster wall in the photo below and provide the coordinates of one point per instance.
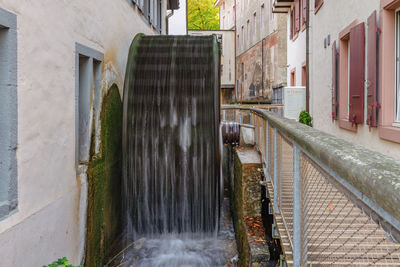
(333, 17)
(177, 22)
(45, 226)
(227, 56)
(296, 54)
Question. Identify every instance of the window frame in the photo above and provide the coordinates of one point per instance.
(387, 127)
(397, 69)
(8, 123)
(95, 60)
(344, 78)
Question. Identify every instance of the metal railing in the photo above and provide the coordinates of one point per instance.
(335, 203)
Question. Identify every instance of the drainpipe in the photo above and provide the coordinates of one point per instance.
(262, 65)
(234, 59)
(308, 55)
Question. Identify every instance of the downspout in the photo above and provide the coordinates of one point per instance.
(308, 56)
(262, 65)
(236, 83)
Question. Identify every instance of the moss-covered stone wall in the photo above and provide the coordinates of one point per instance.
(237, 214)
(104, 221)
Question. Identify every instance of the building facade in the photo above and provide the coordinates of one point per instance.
(227, 41)
(358, 55)
(58, 59)
(352, 71)
(260, 47)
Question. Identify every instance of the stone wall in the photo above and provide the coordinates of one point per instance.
(246, 206)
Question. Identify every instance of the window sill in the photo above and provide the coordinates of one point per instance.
(347, 125)
(390, 133)
(396, 124)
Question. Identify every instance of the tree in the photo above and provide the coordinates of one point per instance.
(203, 15)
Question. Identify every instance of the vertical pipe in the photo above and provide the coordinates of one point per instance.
(297, 222)
(308, 55)
(276, 171)
(267, 150)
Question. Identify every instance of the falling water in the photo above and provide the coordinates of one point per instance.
(171, 159)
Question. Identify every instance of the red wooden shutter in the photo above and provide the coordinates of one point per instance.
(304, 11)
(297, 15)
(317, 3)
(357, 73)
(371, 82)
(291, 25)
(335, 102)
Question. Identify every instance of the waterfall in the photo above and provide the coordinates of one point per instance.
(171, 158)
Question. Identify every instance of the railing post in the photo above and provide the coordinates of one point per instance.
(255, 122)
(276, 189)
(266, 150)
(297, 208)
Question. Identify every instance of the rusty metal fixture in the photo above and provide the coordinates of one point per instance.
(231, 133)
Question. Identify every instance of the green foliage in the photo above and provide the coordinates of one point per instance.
(203, 15)
(62, 262)
(305, 118)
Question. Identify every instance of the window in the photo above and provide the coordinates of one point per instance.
(152, 11)
(303, 13)
(293, 77)
(8, 113)
(303, 75)
(388, 82)
(88, 72)
(242, 37)
(351, 76)
(255, 26)
(248, 31)
(262, 18)
(291, 24)
(297, 12)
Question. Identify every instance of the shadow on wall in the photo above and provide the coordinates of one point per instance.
(104, 223)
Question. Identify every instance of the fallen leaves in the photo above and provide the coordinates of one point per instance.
(255, 229)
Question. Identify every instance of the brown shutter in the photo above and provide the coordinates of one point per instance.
(304, 11)
(357, 73)
(297, 15)
(317, 3)
(335, 102)
(291, 25)
(371, 82)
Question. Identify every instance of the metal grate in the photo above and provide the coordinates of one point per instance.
(338, 232)
(322, 219)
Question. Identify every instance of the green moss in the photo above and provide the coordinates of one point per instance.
(104, 179)
(237, 214)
